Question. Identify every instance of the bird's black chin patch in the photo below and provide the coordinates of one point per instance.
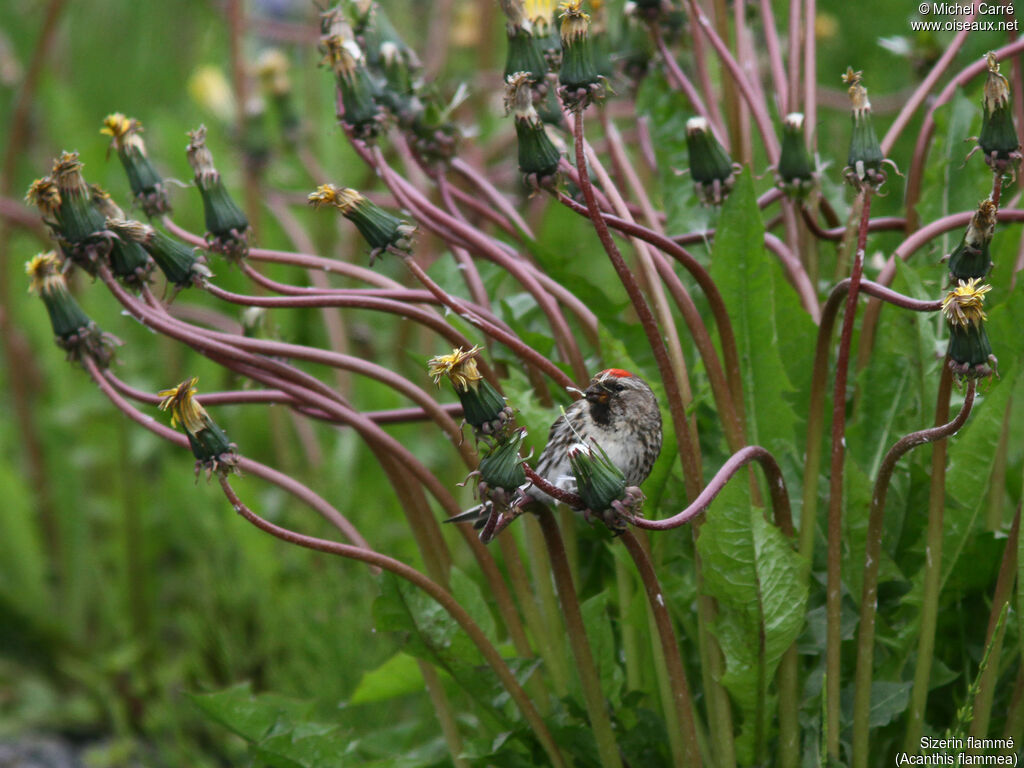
(599, 410)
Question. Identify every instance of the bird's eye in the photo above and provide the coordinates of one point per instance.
(613, 386)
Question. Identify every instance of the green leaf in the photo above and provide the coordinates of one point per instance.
(398, 676)
(759, 582)
(970, 455)
(251, 717)
(431, 634)
(602, 646)
(746, 274)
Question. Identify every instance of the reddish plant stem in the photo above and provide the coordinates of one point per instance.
(597, 709)
(517, 345)
(757, 108)
(474, 284)
(432, 588)
(810, 105)
(110, 387)
(925, 87)
(265, 396)
(833, 594)
(873, 549)
(670, 648)
(700, 274)
(793, 59)
(441, 223)
(932, 579)
(480, 181)
(778, 66)
(915, 175)
(880, 224)
(687, 447)
(775, 481)
(682, 83)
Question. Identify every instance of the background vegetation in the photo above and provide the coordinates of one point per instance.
(125, 588)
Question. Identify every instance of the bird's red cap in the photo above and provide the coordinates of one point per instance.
(616, 372)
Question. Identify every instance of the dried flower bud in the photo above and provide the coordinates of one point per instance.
(363, 115)
(210, 445)
(383, 231)
(73, 331)
(525, 52)
(998, 139)
(538, 156)
(483, 408)
(44, 195)
(796, 168)
(226, 224)
(180, 264)
(580, 80)
(128, 259)
(865, 157)
(146, 183)
(711, 167)
(970, 259)
(80, 222)
(970, 354)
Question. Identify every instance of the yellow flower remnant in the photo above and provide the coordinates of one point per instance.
(858, 93)
(997, 88)
(184, 408)
(45, 274)
(575, 22)
(328, 194)
(45, 195)
(460, 367)
(965, 304)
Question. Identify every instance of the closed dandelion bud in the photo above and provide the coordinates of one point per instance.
(598, 481)
(73, 331)
(272, 68)
(970, 259)
(180, 264)
(483, 407)
(210, 445)
(538, 156)
(580, 80)
(128, 259)
(80, 222)
(362, 115)
(865, 157)
(501, 468)
(146, 183)
(796, 168)
(998, 139)
(711, 167)
(543, 16)
(226, 224)
(524, 52)
(382, 230)
(970, 354)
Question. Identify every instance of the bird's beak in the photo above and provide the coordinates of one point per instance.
(597, 395)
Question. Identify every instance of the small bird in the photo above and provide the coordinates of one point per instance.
(618, 412)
